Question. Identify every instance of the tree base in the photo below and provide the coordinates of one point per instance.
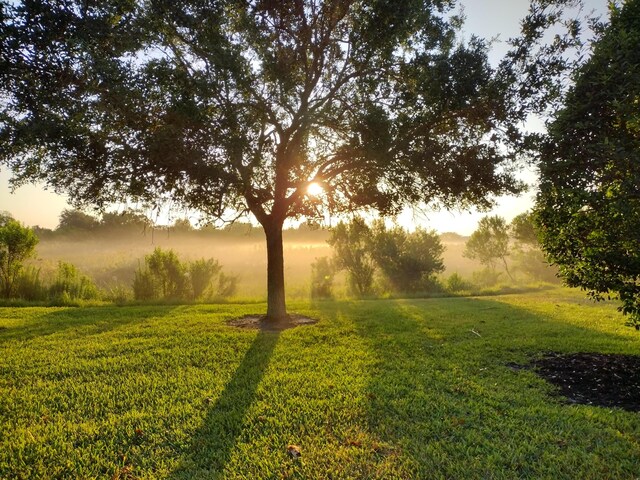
(264, 323)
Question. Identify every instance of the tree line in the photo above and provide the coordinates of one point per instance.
(410, 262)
(74, 223)
(162, 276)
(376, 258)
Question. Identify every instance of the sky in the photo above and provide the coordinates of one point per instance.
(33, 205)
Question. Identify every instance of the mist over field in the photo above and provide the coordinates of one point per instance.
(111, 260)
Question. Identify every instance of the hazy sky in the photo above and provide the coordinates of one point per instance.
(488, 18)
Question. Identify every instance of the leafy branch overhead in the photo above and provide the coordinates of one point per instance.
(240, 106)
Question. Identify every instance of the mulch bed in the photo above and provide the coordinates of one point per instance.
(606, 380)
(259, 322)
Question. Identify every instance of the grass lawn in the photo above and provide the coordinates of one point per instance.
(377, 389)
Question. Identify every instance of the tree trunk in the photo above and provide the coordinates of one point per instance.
(276, 307)
(504, 261)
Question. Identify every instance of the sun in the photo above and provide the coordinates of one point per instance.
(315, 189)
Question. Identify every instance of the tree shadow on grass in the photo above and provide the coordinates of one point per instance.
(213, 443)
(82, 321)
(446, 405)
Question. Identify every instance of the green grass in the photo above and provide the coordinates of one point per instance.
(377, 389)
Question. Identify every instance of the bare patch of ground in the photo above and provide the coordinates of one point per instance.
(606, 380)
(260, 322)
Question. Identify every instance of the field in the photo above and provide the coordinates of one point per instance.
(112, 261)
(376, 389)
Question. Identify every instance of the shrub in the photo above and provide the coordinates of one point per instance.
(322, 278)
(71, 285)
(201, 274)
(29, 286)
(164, 276)
(408, 260)
(352, 253)
(117, 293)
(167, 273)
(17, 243)
(487, 277)
(455, 283)
(227, 286)
(144, 286)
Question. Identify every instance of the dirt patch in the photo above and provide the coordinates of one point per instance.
(605, 380)
(260, 322)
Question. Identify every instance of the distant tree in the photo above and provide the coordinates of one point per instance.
(76, 221)
(588, 208)
(17, 243)
(42, 232)
(490, 243)
(408, 260)
(182, 225)
(241, 229)
(352, 252)
(126, 221)
(451, 237)
(208, 229)
(239, 107)
(308, 227)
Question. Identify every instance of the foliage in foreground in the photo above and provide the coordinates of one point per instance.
(588, 208)
(377, 389)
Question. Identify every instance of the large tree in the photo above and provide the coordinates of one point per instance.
(588, 208)
(238, 106)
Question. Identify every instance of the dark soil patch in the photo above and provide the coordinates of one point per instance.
(260, 322)
(605, 380)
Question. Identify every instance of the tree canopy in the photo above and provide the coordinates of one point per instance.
(588, 208)
(76, 221)
(231, 106)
